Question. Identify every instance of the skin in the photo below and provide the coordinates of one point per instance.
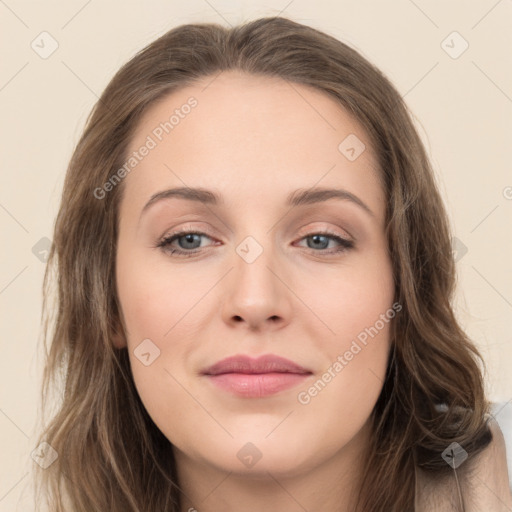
(254, 140)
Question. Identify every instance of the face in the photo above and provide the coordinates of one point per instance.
(258, 274)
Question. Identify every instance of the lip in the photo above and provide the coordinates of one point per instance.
(255, 378)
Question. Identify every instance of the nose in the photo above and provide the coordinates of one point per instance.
(257, 293)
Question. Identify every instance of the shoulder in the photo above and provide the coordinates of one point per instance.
(483, 485)
(488, 480)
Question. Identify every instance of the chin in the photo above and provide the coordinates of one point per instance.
(251, 454)
(282, 461)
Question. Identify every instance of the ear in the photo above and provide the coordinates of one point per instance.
(118, 340)
(118, 337)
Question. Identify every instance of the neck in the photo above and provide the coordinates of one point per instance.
(330, 485)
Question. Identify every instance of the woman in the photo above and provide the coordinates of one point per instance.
(302, 352)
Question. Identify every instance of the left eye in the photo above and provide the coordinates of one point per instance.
(319, 243)
(322, 239)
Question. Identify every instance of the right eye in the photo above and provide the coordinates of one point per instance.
(190, 237)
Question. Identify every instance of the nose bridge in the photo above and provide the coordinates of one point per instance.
(256, 248)
(256, 294)
(255, 258)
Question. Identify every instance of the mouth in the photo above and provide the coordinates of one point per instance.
(255, 378)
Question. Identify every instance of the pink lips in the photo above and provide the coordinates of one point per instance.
(255, 378)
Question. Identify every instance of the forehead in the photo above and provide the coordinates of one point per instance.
(249, 136)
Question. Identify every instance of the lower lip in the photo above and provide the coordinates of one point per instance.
(257, 385)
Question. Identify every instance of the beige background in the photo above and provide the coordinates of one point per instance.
(463, 104)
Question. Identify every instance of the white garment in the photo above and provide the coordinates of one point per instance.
(485, 489)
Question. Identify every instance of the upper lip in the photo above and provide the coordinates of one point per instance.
(263, 364)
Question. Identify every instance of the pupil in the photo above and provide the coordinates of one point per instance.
(317, 238)
(189, 239)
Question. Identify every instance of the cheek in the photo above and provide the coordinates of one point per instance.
(356, 309)
(346, 300)
(156, 300)
(161, 308)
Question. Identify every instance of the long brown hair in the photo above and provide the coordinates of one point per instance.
(111, 456)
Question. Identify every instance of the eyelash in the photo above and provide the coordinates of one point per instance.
(167, 240)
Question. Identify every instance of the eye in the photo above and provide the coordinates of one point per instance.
(190, 240)
(321, 241)
(190, 243)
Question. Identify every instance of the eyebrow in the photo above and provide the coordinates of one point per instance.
(297, 198)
